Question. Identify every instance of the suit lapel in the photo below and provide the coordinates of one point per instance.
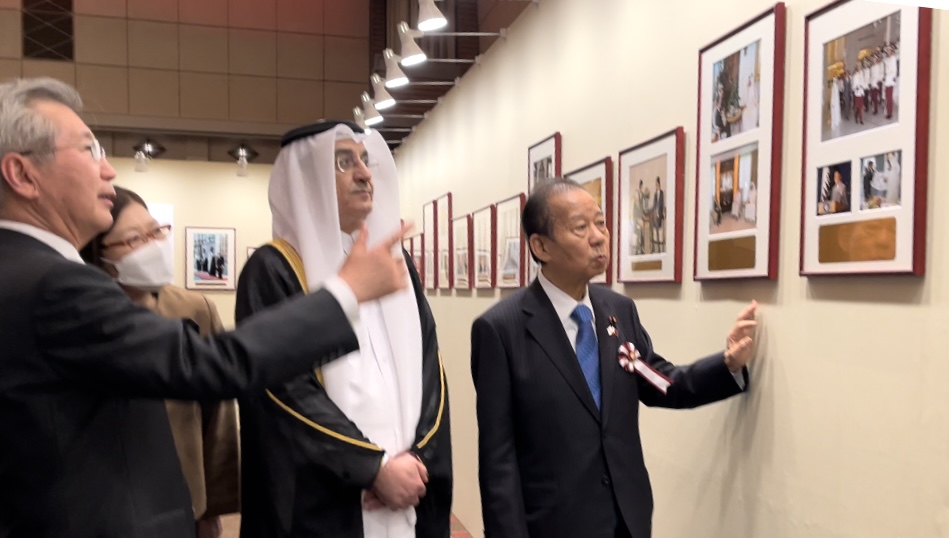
(547, 329)
(609, 346)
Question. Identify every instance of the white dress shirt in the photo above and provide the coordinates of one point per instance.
(564, 305)
(50, 239)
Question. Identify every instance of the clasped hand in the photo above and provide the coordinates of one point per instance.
(399, 484)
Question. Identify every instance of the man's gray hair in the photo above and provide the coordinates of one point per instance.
(22, 128)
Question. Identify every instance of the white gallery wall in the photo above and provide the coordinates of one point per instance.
(844, 432)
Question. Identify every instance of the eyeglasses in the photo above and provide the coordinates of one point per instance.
(345, 162)
(94, 148)
(137, 240)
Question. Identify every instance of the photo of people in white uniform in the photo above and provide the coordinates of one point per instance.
(861, 79)
(881, 180)
(736, 90)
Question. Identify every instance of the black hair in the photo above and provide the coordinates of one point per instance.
(536, 217)
(92, 253)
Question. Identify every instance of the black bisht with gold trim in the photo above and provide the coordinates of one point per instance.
(305, 464)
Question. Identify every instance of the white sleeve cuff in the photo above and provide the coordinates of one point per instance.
(346, 298)
(739, 378)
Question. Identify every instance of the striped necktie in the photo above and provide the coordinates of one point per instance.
(587, 350)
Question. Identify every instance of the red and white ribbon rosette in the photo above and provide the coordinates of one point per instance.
(631, 361)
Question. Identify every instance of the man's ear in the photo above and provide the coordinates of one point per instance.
(18, 175)
(538, 245)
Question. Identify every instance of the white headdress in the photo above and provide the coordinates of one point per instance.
(380, 391)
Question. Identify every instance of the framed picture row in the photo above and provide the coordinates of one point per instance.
(864, 174)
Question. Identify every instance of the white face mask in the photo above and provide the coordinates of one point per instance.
(147, 268)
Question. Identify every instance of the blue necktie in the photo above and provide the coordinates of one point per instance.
(588, 352)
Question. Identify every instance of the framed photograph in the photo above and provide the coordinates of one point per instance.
(597, 179)
(739, 144)
(483, 223)
(444, 263)
(649, 230)
(418, 256)
(509, 256)
(543, 161)
(461, 252)
(428, 245)
(210, 258)
(866, 139)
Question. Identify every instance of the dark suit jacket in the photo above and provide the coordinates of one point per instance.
(659, 207)
(82, 453)
(551, 465)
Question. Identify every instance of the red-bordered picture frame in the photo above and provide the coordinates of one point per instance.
(739, 150)
(509, 242)
(483, 225)
(543, 160)
(597, 179)
(643, 233)
(864, 177)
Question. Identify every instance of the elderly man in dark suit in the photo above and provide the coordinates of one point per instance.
(558, 412)
(85, 446)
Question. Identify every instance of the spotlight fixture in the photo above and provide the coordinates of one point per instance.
(394, 75)
(360, 117)
(141, 161)
(150, 148)
(372, 115)
(382, 98)
(429, 17)
(244, 154)
(412, 54)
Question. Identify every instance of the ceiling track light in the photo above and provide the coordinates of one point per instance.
(360, 118)
(371, 115)
(150, 149)
(394, 75)
(411, 53)
(243, 154)
(382, 98)
(429, 17)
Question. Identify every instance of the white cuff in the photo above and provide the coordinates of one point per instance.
(344, 295)
(739, 378)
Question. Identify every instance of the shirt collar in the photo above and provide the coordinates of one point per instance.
(347, 242)
(50, 239)
(563, 303)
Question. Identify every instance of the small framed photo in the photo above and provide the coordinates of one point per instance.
(210, 258)
(462, 252)
(484, 222)
(418, 255)
(597, 179)
(509, 257)
(739, 150)
(649, 227)
(866, 139)
(428, 247)
(543, 161)
(443, 242)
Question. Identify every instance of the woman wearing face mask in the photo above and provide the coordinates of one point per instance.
(138, 255)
